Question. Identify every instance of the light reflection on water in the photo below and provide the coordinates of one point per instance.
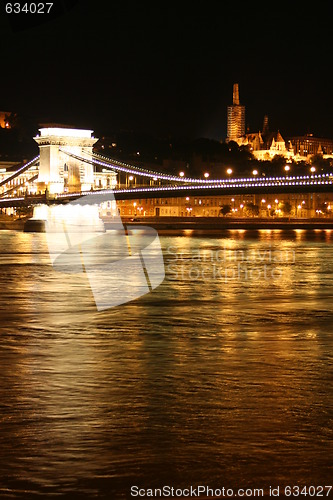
(214, 378)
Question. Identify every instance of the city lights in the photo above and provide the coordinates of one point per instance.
(166, 251)
(177, 186)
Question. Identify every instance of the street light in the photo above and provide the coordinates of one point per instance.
(263, 201)
(255, 172)
(299, 207)
(206, 175)
(181, 174)
(229, 171)
(312, 169)
(287, 168)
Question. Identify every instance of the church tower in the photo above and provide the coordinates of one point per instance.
(236, 117)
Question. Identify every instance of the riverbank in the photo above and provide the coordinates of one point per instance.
(219, 223)
(202, 223)
(12, 224)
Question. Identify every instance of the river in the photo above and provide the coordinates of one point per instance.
(221, 376)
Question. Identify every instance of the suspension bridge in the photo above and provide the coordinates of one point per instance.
(67, 168)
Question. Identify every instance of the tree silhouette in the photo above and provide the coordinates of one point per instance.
(251, 210)
(225, 210)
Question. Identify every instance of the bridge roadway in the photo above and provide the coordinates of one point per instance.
(173, 192)
(20, 170)
(176, 187)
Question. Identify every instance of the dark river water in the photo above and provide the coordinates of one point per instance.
(221, 376)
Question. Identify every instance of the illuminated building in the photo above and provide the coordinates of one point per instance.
(307, 145)
(265, 145)
(301, 205)
(4, 119)
(236, 117)
(275, 145)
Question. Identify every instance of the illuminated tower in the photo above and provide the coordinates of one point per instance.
(57, 170)
(236, 117)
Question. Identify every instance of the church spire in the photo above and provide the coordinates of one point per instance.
(235, 95)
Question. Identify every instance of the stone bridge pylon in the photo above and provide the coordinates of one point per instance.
(59, 172)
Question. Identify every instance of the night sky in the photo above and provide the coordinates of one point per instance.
(167, 68)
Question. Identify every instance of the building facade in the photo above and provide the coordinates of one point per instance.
(308, 145)
(273, 146)
(287, 205)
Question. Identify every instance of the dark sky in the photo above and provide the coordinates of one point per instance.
(167, 68)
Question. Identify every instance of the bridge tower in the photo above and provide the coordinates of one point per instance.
(59, 172)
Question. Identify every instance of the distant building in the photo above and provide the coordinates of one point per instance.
(236, 117)
(4, 119)
(274, 144)
(306, 145)
(253, 140)
(265, 145)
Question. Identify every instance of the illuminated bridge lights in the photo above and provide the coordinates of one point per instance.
(139, 171)
(21, 170)
(181, 185)
(125, 167)
(161, 189)
(20, 198)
